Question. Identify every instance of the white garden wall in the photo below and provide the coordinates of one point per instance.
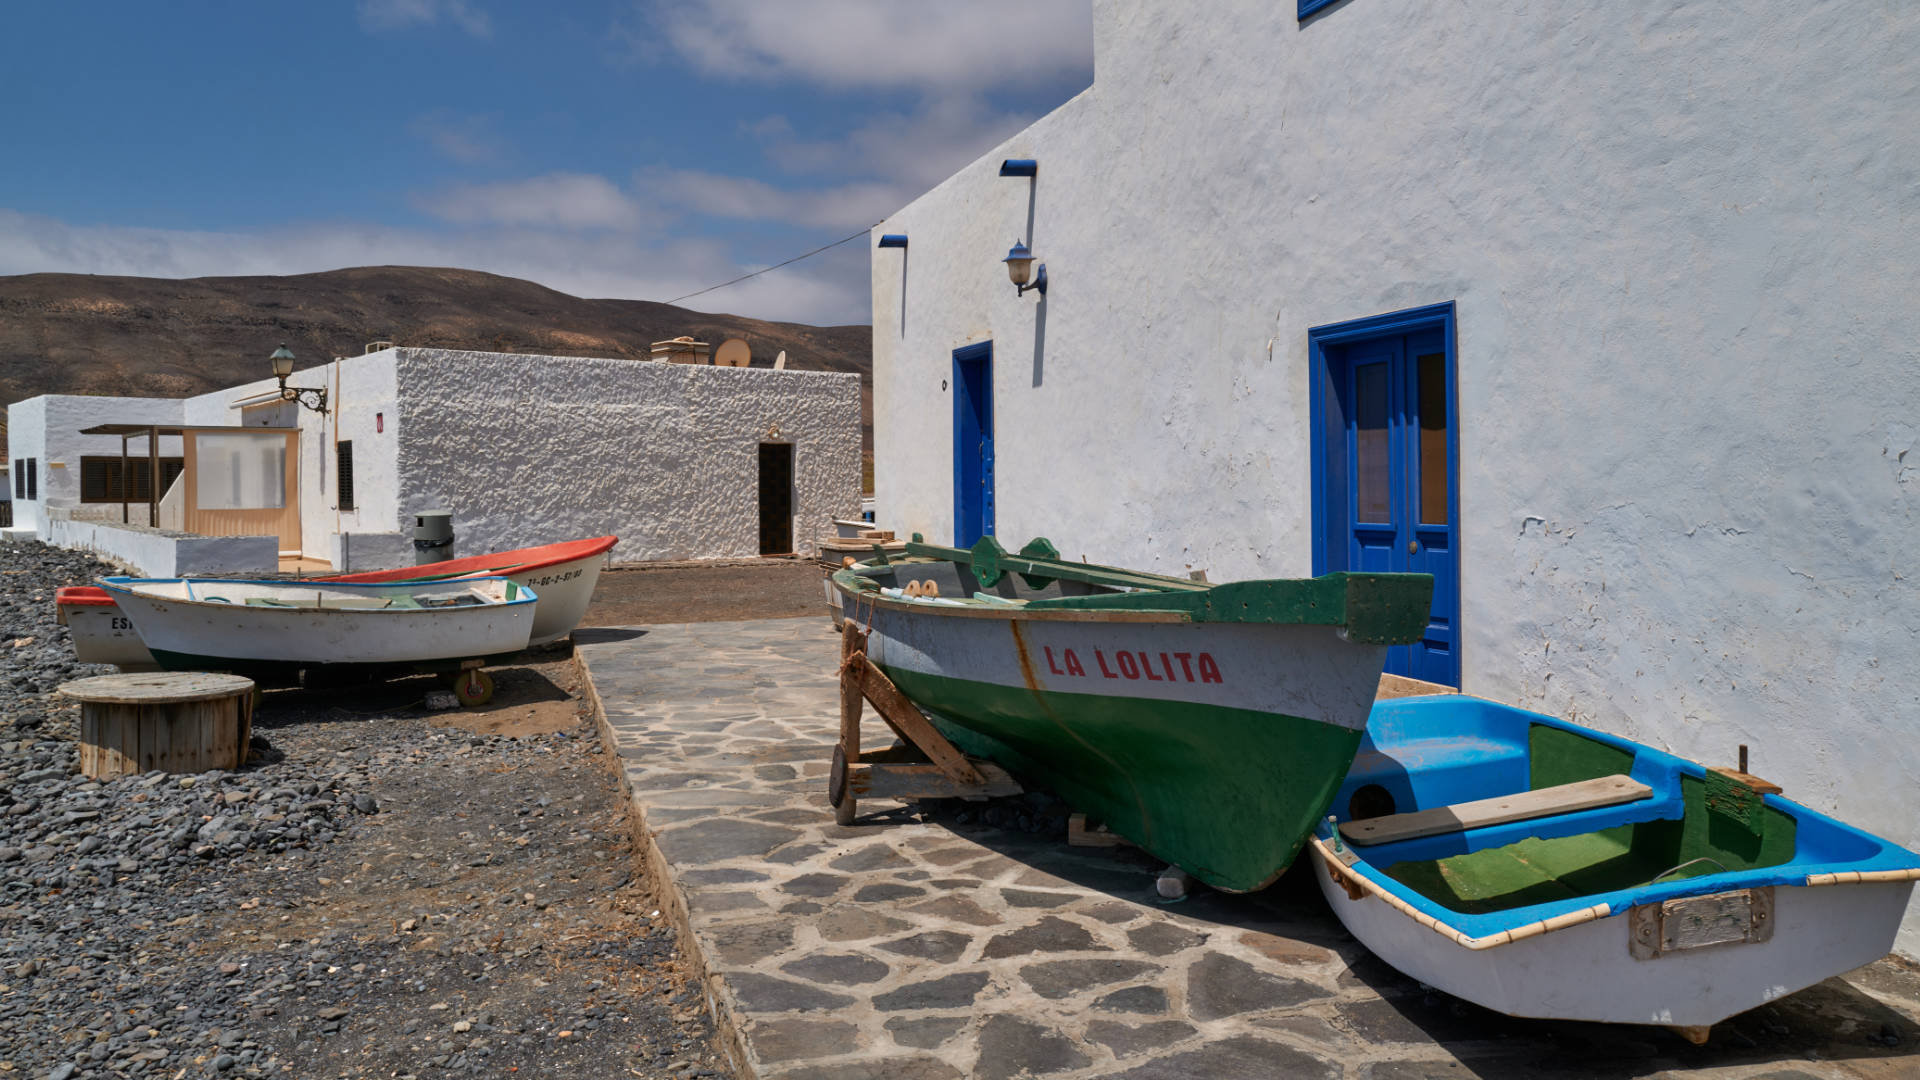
(148, 552)
(1680, 242)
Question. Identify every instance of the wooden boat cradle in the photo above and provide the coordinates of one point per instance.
(925, 766)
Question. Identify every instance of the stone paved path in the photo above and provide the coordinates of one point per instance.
(910, 950)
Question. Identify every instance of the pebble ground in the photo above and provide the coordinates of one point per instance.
(377, 894)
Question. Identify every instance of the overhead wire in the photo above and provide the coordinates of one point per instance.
(778, 265)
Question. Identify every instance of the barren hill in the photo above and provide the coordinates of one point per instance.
(159, 337)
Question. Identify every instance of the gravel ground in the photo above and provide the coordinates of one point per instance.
(377, 894)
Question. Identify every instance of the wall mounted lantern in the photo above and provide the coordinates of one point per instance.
(1021, 270)
(312, 397)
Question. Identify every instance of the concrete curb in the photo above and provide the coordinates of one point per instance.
(673, 902)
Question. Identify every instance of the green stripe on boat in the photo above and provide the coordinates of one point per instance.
(1228, 794)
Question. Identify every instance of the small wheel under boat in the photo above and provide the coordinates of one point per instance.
(837, 778)
(473, 687)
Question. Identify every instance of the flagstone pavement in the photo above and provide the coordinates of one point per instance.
(909, 948)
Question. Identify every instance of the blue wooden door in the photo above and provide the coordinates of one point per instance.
(972, 443)
(1387, 486)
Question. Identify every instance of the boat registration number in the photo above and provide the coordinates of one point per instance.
(1740, 917)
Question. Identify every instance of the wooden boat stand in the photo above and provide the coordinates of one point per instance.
(924, 766)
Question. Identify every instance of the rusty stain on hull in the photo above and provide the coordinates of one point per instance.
(1032, 680)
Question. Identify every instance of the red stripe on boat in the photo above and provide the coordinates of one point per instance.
(518, 560)
(83, 596)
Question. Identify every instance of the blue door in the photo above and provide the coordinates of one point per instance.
(1384, 470)
(972, 443)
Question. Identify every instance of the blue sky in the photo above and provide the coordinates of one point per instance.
(608, 149)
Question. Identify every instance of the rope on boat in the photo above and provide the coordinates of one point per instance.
(1863, 877)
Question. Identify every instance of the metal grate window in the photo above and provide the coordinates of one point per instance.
(343, 462)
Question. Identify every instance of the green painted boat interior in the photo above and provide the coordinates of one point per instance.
(1375, 609)
(1723, 821)
(1228, 794)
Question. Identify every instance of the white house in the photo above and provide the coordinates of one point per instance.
(679, 460)
(1601, 313)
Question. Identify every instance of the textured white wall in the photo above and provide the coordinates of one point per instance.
(27, 438)
(534, 449)
(48, 428)
(1682, 247)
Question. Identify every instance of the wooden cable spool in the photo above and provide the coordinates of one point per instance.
(170, 721)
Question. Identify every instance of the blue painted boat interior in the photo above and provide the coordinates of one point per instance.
(522, 594)
(1426, 752)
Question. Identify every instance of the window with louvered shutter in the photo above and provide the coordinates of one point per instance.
(343, 474)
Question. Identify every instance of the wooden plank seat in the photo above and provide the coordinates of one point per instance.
(1520, 806)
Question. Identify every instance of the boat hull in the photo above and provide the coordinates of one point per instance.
(1214, 746)
(103, 634)
(274, 642)
(1586, 972)
(1545, 869)
(565, 587)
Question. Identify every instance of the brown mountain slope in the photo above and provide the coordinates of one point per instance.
(158, 337)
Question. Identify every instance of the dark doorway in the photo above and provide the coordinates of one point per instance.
(776, 498)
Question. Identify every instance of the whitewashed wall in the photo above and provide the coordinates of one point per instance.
(149, 552)
(27, 438)
(532, 449)
(47, 428)
(1681, 243)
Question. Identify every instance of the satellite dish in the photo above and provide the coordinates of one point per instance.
(732, 352)
(780, 362)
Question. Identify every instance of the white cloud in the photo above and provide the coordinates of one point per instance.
(967, 47)
(847, 206)
(470, 140)
(916, 149)
(382, 15)
(828, 290)
(557, 200)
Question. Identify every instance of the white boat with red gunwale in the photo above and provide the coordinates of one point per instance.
(563, 575)
(272, 631)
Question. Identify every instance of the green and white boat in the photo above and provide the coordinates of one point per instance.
(1209, 724)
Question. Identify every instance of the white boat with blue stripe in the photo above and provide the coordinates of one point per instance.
(273, 629)
(1544, 869)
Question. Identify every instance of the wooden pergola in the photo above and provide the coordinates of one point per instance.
(153, 432)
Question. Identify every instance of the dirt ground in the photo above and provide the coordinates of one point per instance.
(708, 592)
(493, 910)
